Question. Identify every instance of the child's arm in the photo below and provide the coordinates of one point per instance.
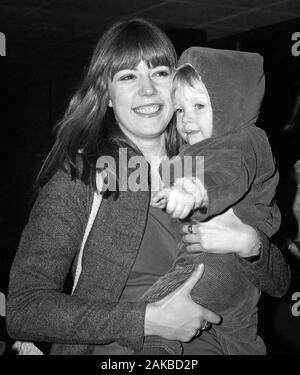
(216, 170)
(243, 171)
(228, 176)
(227, 171)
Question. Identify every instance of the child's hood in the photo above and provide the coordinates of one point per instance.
(235, 82)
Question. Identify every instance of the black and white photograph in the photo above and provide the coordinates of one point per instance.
(150, 190)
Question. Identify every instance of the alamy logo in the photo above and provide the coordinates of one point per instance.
(2, 304)
(296, 305)
(138, 179)
(2, 45)
(296, 46)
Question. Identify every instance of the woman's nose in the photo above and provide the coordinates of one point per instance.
(147, 87)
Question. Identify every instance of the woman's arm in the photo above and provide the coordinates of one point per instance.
(37, 307)
(177, 316)
(265, 267)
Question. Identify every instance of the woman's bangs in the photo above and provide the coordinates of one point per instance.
(156, 55)
(126, 57)
(128, 54)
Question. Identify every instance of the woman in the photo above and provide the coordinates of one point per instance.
(130, 73)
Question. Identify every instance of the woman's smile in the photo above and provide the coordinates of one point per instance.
(149, 110)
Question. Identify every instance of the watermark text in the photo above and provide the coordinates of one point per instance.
(133, 173)
(2, 304)
(2, 44)
(296, 305)
(296, 45)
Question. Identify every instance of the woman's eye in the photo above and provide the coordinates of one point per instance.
(127, 77)
(162, 73)
(199, 106)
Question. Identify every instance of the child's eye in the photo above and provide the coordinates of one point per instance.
(178, 111)
(199, 106)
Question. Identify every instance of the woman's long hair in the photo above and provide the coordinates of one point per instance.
(87, 123)
(294, 120)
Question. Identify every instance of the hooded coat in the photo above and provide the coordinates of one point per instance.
(238, 168)
(239, 172)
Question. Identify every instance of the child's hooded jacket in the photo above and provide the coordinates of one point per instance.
(239, 169)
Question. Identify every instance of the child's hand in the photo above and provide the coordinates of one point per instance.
(160, 199)
(179, 200)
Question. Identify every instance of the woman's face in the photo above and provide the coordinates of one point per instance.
(141, 100)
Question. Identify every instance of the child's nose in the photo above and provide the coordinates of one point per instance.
(187, 119)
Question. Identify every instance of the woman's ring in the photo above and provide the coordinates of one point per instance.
(205, 325)
(190, 228)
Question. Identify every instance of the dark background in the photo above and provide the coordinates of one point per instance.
(36, 84)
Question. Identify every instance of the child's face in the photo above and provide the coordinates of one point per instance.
(193, 113)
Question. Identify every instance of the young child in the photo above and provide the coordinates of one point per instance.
(217, 97)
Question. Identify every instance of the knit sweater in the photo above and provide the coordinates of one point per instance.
(38, 309)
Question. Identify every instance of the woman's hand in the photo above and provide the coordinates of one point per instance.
(225, 233)
(177, 316)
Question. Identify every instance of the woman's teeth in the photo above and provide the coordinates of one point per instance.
(147, 109)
